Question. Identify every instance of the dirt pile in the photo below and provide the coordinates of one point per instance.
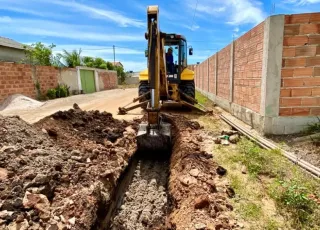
(58, 173)
(197, 189)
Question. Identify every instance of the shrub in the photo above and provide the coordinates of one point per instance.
(62, 90)
(51, 93)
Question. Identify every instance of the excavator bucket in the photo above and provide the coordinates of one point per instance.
(151, 139)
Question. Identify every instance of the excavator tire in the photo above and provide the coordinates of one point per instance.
(188, 88)
(144, 88)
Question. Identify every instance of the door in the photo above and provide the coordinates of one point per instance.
(87, 81)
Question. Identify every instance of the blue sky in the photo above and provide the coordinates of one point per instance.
(96, 25)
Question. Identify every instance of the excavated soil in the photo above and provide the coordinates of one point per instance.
(64, 171)
(198, 191)
(58, 173)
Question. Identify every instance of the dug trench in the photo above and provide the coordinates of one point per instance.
(81, 170)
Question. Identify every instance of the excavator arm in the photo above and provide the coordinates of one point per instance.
(155, 135)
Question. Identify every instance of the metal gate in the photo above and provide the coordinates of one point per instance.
(87, 81)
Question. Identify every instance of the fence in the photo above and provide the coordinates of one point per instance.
(270, 76)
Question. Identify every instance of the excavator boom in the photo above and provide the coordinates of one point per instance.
(155, 135)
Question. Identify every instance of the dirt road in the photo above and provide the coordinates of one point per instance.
(108, 100)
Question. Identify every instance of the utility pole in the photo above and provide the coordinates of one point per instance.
(114, 55)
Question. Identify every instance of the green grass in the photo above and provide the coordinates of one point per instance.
(272, 177)
(250, 210)
(290, 187)
(201, 98)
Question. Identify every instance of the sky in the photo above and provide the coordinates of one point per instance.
(96, 26)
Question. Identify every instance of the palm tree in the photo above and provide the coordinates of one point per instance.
(72, 59)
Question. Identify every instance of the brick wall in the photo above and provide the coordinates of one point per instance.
(248, 55)
(212, 67)
(300, 75)
(108, 79)
(300, 71)
(47, 77)
(16, 78)
(21, 79)
(223, 75)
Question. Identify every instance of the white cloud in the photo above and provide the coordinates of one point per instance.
(26, 7)
(98, 50)
(109, 15)
(193, 28)
(235, 12)
(62, 30)
(302, 2)
(135, 66)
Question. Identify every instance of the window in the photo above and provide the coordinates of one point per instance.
(183, 53)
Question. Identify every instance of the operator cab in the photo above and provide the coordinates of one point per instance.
(176, 56)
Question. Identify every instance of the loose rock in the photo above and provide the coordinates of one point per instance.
(202, 202)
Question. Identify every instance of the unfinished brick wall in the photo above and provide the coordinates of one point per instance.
(22, 78)
(47, 77)
(16, 78)
(300, 75)
(248, 55)
(212, 69)
(109, 79)
(223, 75)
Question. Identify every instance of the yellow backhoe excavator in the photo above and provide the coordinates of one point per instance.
(163, 81)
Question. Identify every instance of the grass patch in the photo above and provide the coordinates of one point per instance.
(291, 188)
(250, 210)
(290, 193)
(201, 98)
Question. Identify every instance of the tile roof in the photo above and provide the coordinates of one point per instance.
(10, 43)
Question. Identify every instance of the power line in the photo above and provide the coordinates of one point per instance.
(194, 14)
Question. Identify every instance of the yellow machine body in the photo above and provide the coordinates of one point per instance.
(186, 75)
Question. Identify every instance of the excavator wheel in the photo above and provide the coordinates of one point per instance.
(144, 88)
(188, 88)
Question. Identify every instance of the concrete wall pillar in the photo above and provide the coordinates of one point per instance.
(271, 69)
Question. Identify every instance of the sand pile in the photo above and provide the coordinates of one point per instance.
(19, 101)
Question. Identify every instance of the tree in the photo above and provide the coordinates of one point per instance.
(100, 63)
(120, 73)
(88, 61)
(110, 66)
(72, 59)
(39, 54)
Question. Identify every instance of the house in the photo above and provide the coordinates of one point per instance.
(117, 63)
(11, 51)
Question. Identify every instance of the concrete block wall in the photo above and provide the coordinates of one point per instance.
(270, 76)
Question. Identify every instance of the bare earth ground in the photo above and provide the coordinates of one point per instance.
(307, 150)
(108, 100)
(60, 172)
